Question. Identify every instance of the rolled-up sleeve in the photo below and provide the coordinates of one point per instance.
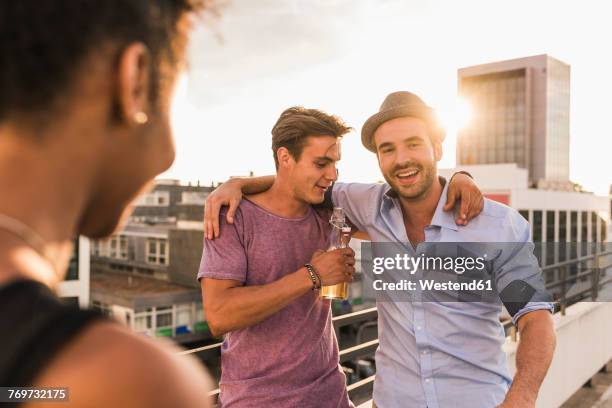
(531, 307)
(518, 276)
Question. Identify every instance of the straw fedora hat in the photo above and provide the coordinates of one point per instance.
(396, 105)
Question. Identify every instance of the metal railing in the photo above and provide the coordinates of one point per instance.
(348, 354)
(588, 277)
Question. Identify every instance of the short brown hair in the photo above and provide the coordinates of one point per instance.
(297, 123)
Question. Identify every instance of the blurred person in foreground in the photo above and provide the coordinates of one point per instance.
(84, 126)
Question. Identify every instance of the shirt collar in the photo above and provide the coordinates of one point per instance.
(441, 218)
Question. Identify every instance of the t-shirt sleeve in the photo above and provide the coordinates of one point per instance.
(225, 257)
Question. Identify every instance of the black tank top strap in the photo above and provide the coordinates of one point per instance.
(34, 327)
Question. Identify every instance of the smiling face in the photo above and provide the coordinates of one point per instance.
(315, 170)
(406, 156)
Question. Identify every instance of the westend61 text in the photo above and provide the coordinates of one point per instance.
(406, 285)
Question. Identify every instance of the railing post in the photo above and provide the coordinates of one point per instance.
(562, 309)
(563, 289)
(595, 276)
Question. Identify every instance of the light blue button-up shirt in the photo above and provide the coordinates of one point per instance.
(437, 354)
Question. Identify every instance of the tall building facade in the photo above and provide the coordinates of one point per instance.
(521, 115)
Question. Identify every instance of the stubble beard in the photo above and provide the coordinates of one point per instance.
(415, 191)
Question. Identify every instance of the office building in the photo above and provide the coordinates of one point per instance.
(555, 216)
(145, 275)
(521, 115)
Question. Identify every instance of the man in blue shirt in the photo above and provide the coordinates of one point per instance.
(444, 354)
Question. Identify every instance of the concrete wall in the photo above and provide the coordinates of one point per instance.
(584, 346)
(559, 200)
(508, 178)
(493, 177)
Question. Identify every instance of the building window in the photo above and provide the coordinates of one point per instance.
(574, 226)
(157, 251)
(164, 317)
(584, 227)
(200, 316)
(118, 247)
(95, 247)
(594, 230)
(123, 247)
(525, 214)
(102, 307)
(194, 197)
(72, 301)
(184, 318)
(550, 237)
(143, 321)
(73, 264)
(114, 247)
(584, 232)
(154, 199)
(537, 226)
(550, 226)
(562, 247)
(562, 226)
(100, 248)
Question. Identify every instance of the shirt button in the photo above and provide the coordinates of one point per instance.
(424, 352)
(427, 380)
(418, 327)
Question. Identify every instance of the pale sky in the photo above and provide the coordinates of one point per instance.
(345, 56)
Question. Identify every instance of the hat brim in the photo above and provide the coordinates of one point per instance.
(416, 111)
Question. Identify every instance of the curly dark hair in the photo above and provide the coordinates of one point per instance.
(295, 124)
(43, 43)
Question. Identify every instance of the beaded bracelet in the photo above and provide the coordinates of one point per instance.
(314, 276)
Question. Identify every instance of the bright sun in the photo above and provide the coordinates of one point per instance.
(463, 113)
(456, 116)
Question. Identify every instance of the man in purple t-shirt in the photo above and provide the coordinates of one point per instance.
(259, 277)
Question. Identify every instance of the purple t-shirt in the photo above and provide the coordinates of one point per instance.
(289, 359)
